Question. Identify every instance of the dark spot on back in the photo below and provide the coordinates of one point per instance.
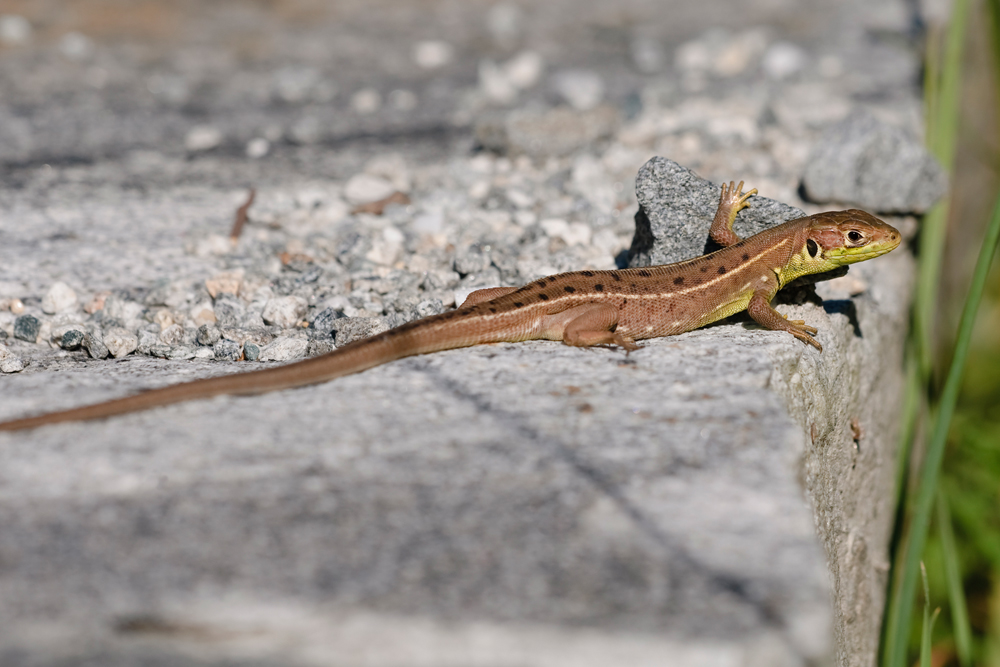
(542, 283)
(624, 301)
(722, 269)
(518, 304)
(587, 273)
(599, 287)
(632, 285)
(746, 256)
(493, 310)
(644, 273)
(543, 297)
(569, 288)
(704, 269)
(679, 280)
(616, 276)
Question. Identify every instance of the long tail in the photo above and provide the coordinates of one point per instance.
(432, 334)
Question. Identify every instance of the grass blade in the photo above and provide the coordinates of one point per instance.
(953, 576)
(931, 469)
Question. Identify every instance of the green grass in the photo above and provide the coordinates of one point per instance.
(957, 484)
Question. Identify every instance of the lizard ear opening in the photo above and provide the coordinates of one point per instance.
(812, 247)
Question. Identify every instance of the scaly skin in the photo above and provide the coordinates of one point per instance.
(582, 308)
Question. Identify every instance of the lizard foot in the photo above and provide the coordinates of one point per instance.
(734, 197)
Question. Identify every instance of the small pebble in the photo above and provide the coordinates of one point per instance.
(71, 340)
(355, 328)
(16, 306)
(208, 334)
(581, 89)
(284, 348)
(258, 147)
(95, 347)
(27, 327)
(120, 341)
(366, 101)
(782, 60)
(227, 350)
(367, 188)
(227, 282)
(324, 322)
(172, 335)
(433, 54)
(10, 362)
(14, 29)
(251, 352)
(76, 46)
(285, 311)
(202, 138)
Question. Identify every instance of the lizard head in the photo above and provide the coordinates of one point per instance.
(836, 238)
(845, 237)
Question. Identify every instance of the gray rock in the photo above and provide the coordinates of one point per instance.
(874, 165)
(472, 260)
(318, 347)
(251, 351)
(10, 362)
(208, 334)
(349, 329)
(93, 344)
(72, 339)
(120, 341)
(227, 350)
(284, 348)
(27, 327)
(323, 323)
(230, 311)
(676, 211)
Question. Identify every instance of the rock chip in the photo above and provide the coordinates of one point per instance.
(349, 329)
(285, 311)
(93, 343)
(251, 351)
(676, 211)
(59, 298)
(10, 362)
(27, 328)
(72, 339)
(120, 341)
(581, 89)
(208, 334)
(366, 188)
(227, 350)
(869, 163)
(284, 348)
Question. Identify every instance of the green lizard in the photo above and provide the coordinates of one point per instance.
(582, 308)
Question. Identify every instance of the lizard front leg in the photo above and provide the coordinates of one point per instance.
(761, 311)
(731, 202)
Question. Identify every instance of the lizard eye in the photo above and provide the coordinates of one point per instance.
(856, 237)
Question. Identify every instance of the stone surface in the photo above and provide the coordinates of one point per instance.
(698, 502)
(677, 208)
(874, 165)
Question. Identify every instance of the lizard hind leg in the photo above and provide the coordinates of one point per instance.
(593, 324)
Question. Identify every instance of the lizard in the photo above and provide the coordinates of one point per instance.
(580, 308)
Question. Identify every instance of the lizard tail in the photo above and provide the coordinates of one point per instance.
(431, 334)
